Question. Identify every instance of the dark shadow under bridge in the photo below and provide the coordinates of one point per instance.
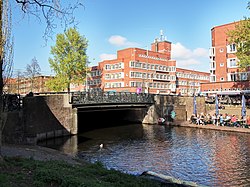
(110, 108)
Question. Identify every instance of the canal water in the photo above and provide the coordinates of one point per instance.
(207, 157)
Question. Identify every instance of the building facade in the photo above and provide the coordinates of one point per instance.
(135, 70)
(147, 70)
(225, 75)
(23, 86)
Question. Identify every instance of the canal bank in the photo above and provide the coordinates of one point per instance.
(211, 127)
(16, 152)
(228, 109)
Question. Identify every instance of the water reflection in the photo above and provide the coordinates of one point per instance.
(208, 157)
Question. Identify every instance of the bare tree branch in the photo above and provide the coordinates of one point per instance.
(51, 11)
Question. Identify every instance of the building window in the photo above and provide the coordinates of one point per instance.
(221, 50)
(212, 78)
(221, 64)
(212, 51)
(221, 79)
(231, 48)
(231, 63)
(233, 77)
(243, 76)
(212, 65)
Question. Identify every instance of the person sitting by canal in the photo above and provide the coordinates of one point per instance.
(227, 119)
(208, 119)
(193, 119)
(221, 120)
(200, 119)
(172, 115)
(248, 122)
(234, 121)
(214, 119)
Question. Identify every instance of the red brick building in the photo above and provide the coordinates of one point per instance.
(150, 71)
(225, 76)
(25, 85)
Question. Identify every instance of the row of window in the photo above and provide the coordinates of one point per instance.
(155, 85)
(191, 76)
(187, 83)
(157, 67)
(140, 84)
(152, 57)
(231, 48)
(119, 65)
(231, 63)
(242, 76)
(94, 82)
(229, 89)
(114, 84)
(95, 73)
(112, 76)
(238, 76)
(158, 76)
(185, 91)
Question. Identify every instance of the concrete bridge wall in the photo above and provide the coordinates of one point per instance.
(45, 117)
(183, 106)
(42, 117)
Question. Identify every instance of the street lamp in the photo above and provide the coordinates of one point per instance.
(86, 78)
(146, 82)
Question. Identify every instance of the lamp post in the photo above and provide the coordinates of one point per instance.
(146, 83)
(86, 78)
(194, 82)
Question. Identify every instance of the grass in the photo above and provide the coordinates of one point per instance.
(21, 172)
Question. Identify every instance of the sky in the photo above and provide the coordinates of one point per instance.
(112, 25)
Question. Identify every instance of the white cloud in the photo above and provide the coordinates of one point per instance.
(118, 40)
(201, 52)
(187, 62)
(186, 57)
(179, 51)
(105, 56)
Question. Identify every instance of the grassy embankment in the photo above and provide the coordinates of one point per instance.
(16, 171)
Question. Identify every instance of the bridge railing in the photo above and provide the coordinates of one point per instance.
(12, 102)
(110, 97)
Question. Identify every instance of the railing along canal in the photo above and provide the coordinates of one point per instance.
(110, 97)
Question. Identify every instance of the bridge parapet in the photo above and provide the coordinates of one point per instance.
(110, 97)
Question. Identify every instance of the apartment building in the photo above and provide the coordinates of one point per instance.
(149, 70)
(188, 82)
(225, 76)
(23, 86)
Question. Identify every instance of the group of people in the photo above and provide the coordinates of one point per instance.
(220, 120)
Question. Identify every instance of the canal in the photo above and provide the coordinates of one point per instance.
(208, 157)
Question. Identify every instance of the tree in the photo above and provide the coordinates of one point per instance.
(241, 37)
(19, 75)
(33, 70)
(6, 57)
(69, 60)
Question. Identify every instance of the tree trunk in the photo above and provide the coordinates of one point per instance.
(1, 76)
(68, 88)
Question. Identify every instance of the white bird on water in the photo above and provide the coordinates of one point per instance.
(101, 146)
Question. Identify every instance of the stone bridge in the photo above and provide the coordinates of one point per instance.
(47, 116)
